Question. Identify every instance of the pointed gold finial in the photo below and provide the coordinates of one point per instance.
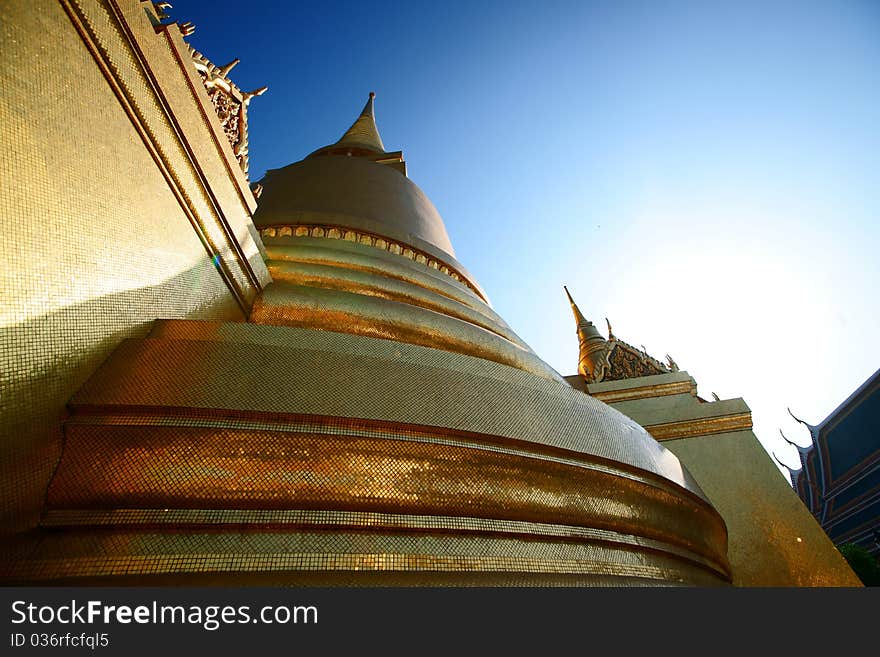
(593, 361)
(363, 133)
(578, 317)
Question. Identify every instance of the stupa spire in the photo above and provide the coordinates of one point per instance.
(593, 362)
(363, 133)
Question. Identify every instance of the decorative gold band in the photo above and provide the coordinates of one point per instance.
(308, 520)
(119, 466)
(357, 565)
(644, 392)
(700, 427)
(370, 239)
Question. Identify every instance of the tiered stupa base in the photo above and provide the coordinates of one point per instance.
(240, 453)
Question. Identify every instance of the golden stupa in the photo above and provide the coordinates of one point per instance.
(296, 382)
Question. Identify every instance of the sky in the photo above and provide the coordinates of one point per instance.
(704, 174)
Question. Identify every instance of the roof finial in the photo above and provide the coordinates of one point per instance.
(593, 361)
(800, 448)
(793, 472)
(248, 95)
(790, 442)
(814, 430)
(160, 8)
(611, 335)
(796, 417)
(226, 68)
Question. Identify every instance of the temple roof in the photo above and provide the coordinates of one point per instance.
(839, 477)
(845, 437)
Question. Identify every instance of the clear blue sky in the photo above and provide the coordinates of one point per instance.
(706, 174)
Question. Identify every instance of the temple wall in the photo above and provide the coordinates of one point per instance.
(111, 216)
(773, 538)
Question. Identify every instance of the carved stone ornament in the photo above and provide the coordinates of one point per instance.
(229, 102)
(627, 362)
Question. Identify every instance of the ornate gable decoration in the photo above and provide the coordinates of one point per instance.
(601, 359)
(230, 103)
(627, 362)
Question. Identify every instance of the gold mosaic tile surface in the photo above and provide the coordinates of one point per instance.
(371, 379)
(236, 445)
(514, 561)
(87, 260)
(117, 466)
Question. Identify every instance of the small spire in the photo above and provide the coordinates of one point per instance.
(363, 133)
(578, 317)
(593, 360)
